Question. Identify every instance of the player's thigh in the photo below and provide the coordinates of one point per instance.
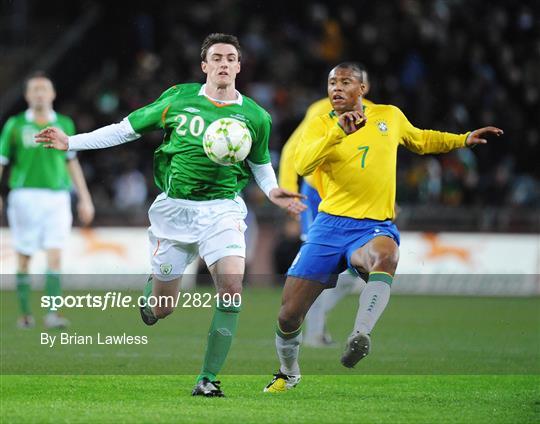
(57, 220)
(228, 274)
(318, 262)
(379, 254)
(169, 259)
(223, 245)
(26, 220)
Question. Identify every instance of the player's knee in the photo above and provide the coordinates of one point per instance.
(288, 320)
(23, 263)
(386, 261)
(230, 289)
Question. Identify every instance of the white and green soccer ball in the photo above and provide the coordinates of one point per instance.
(227, 141)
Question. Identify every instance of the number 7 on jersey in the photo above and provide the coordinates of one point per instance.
(365, 149)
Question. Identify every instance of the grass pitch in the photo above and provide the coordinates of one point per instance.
(434, 359)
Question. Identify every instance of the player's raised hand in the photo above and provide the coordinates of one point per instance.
(478, 136)
(52, 138)
(352, 121)
(289, 200)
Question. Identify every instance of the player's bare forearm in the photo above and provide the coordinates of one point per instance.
(52, 138)
(85, 207)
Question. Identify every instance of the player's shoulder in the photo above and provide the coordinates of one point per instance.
(384, 109)
(321, 120)
(17, 118)
(319, 107)
(185, 89)
(254, 108)
(367, 102)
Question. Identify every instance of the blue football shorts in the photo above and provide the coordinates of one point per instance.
(331, 241)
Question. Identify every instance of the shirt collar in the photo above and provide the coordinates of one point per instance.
(30, 116)
(239, 99)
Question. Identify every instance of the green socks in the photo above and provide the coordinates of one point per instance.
(222, 331)
(52, 284)
(23, 292)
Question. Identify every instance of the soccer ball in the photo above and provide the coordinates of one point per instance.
(227, 141)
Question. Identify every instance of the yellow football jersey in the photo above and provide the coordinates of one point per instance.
(356, 174)
(288, 178)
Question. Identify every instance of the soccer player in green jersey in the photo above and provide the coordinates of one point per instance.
(39, 207)
(199, 211)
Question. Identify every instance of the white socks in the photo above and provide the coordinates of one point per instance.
(287, 350)
(372, 303)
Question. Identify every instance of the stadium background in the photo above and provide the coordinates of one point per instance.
(450, 65)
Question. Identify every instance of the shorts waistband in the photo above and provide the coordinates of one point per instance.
(348, 222)
(198, 203)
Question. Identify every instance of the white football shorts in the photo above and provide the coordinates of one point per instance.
(180, 230)
(39, 219)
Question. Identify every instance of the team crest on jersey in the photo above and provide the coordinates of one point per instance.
(165, 269)
(191, 110)
(383, 128)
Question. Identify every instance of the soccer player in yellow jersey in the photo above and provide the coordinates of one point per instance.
(315, 333)
(352, 153)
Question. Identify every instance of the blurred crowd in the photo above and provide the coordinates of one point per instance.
(451, 65)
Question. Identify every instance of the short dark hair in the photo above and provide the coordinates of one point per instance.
(217, 38)
(358, 69)
(34, 75)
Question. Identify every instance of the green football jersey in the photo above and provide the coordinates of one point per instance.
(32, 165)
(181, 167)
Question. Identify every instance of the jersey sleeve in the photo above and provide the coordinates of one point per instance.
(288, 178)
(6, 141)
(152, 117)
(428, 141)
(318, 140)
(259, 153)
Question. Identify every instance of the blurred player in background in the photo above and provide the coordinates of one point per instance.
(353, 154)
(315, 333)
(199, 211)
(39, 207)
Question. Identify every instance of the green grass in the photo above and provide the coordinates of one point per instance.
(368, 399)
(434, 359)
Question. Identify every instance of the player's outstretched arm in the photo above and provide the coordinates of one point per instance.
(478, 136)
(108, 136)
(53, 138)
